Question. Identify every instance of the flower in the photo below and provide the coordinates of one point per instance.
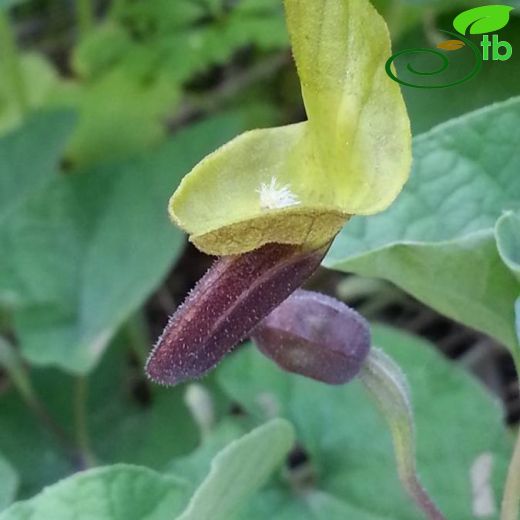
(270, 202)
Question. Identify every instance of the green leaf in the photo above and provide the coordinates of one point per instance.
(9, 483)
(166, 16)
(508, 241)
(240, 470)
(7, 4)
(23, 173)
(271, 503)
(298, 184)
(154, 432)
(481, 20)
(259, 21)
(188, 37)
(122, 428)
(89, 248)
(101, 49)
(40, 81)
(119, 115)
(32, 450)
(309, 505)
(517, 319)
(350, 457)
(438, 240)
(118, 492)
(196, 465)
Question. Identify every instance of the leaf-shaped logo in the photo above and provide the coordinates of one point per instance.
(482, 20)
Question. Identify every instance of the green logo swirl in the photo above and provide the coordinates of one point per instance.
(444, 64)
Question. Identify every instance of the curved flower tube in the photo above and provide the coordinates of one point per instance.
(231, 298)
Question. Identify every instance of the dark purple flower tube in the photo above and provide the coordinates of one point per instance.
(229, 300)
(316, 336)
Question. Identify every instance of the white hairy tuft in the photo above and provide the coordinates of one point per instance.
(273, 196)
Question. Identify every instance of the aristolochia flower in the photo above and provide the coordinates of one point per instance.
(295, 185)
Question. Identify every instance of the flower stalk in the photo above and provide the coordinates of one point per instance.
(387, 384)
(511, 499)
(510, 508)
(319, 337)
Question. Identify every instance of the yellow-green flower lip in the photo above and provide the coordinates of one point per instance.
(299, 184)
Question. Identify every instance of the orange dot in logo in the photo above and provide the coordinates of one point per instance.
(450, 45)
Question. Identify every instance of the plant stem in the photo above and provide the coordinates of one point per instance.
(11, 64)
(138, 337)
(11, 362)
(510, 509)
(81, 423)
(85, 14)
(388, 386)
(511, 499)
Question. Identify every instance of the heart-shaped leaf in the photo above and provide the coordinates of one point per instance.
(8, 483)
(118, 492)
(508, 240)
(86, 249)
(239, 470)
(439, 241)
(152, 434)
(131, 492)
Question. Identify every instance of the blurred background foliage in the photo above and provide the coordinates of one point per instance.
(104, 106)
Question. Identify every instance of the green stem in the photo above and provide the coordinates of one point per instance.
(11, 65)
(200, 403)
(11, 362)
(13, 365)
(388, 386)
(138, 338)
(85, 14)
(81, 423)
(510, 509)
(511, 499)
